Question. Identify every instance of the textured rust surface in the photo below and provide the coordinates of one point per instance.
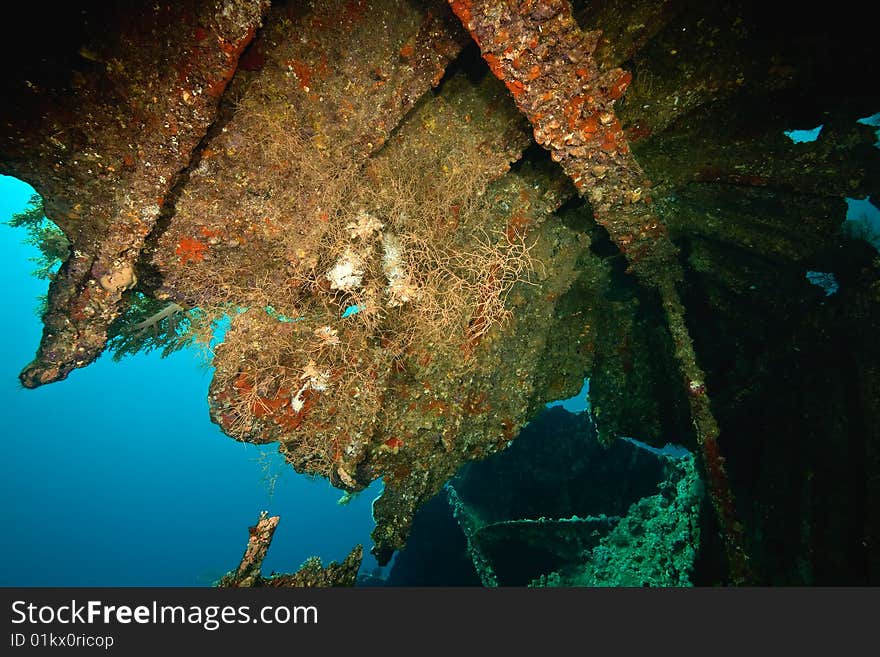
(311, 574)
(538, 50)
(104, 146)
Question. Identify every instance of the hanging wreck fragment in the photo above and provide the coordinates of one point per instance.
(311, 574)
(407, 282)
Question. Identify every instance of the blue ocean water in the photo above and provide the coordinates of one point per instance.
(576, 404)
(863, 220)
(802, 136)
(117, 477)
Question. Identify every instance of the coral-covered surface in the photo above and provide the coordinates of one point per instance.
(407, 278)
(546, 61)
(104, 142)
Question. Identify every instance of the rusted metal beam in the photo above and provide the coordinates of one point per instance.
(311, 574)
(259, 540)
(540, 53)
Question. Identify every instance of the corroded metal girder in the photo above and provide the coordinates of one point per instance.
(311, 574)
(105, 150)
(543, 57)
(259, 541)
(540, 53)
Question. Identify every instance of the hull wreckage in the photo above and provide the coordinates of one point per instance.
(424, 221)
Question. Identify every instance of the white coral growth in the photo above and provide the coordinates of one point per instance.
(401, 287)
(327, 335)
(364, 226)
(297, 402)
(315, 379)
(401, 291)
(348, 272)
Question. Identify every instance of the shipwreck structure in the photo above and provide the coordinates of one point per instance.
(424, 220)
